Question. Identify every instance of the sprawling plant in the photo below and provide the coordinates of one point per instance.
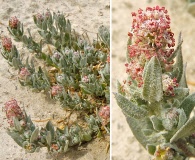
(76, 73)
(155, 97)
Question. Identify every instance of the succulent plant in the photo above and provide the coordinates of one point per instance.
(76, 72)
(31, 138)
(155, 98)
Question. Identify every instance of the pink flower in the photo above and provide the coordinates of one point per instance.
(24, 73)
(104, 114)
(6, 43)
(39, 17)
(13, 22)
(55, 147)
(169, 84)
(47, 15)
(56, 55)
(85, 79)
(135, 70)
(13, 111)
(151, 34)
(56, 90)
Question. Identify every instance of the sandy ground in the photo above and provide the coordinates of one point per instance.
(83, 14)
(124, 145)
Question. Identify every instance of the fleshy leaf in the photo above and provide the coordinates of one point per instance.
(50, 128)
(17, 125)
(157, 123)
(182, 119)
(16, 137)
(136, 127)
(130, 109)
(48, 138)
(152, 89)
(151, 148)
(147, 132)
(188, 104)
(181, 93)
(120, 88)
(185, 130)
(66, 145)
(178, 67)
(183, 82)
(34, 135)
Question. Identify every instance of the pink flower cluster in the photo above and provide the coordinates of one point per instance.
(135, 70)
(13, 22)
(168, 85)
(172, 113)
(47, 14)
(56, 90)
(104, 114)
(85, 79)
(150, 36)
(24, 73)
(6, 43)
(54, 147)
(13, 111)
(151, 30)
(56, 55)
(41, 17)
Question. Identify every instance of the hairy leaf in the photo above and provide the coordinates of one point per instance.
(136, 127)
(157, 123)
(130, 109)
(50, 128)
(188, 104)
(185, 130)
(152, 89)
(48, 138)
(16, 137)
(178, 67)
(17, 125)
(183, 82)
(151, 148)
(34, 135)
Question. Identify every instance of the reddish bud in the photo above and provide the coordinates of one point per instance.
(13, 22)
(6, 43)
(13, 111)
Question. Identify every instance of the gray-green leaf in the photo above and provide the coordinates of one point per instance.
(157, 123)
(34, 135)
(130, 109)
(16, 137)
(188, 104)
(136, 127)
(185, 131)
(178, 67)
(50, 128)
(48, 138)
(17, 125)
(152, 89)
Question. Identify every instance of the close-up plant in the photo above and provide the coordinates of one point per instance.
(72, 70)
(155, 97)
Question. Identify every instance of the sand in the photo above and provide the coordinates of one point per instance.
(124, 145)
(88, 15)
